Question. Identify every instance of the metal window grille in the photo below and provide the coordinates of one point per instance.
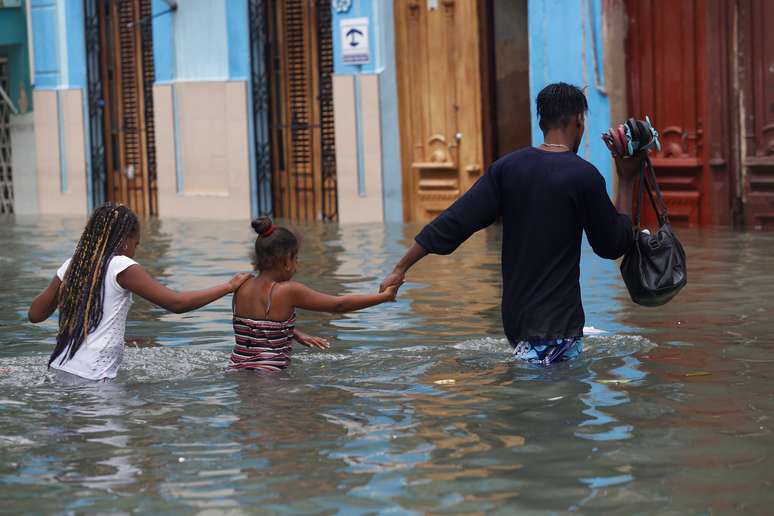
(120, 74)
(6, 175)
(292, 68)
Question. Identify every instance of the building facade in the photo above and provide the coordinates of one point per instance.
(18, 191)
(370, 110)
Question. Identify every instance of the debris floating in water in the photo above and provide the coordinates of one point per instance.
(698, 373)
(445, 381)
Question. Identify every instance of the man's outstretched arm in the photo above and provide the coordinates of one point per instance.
(415, 253)
(475, 210)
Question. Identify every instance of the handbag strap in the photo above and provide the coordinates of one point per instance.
(663, 216)
(649, 184)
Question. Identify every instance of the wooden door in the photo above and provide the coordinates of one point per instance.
(439, 95)
(302, 130)
(755, 73)
(127, 75)
(666, 63)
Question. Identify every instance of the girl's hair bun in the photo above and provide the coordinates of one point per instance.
(261, 225)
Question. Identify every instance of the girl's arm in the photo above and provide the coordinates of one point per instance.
(45, 304)
(136, 279)
(306, 298)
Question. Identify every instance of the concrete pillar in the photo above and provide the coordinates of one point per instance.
(25, 180)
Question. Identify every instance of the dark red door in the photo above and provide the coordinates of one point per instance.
(755, 71)
(665, 82)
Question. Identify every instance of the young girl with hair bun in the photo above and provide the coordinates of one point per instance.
(265, 306)
(93, 291)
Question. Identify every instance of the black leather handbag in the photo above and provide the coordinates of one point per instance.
(654, 268)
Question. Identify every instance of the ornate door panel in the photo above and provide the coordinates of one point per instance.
(755, 69)
(439, 93)
(666, 71)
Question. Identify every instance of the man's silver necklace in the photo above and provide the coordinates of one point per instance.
(555, 145)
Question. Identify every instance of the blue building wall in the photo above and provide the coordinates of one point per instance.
(201, 43)
(201, 40)
(382, 48)
(237, 29)
(76, 43)
(163, 42)
(565, 41)
(13, 46)
(45, 40)
(388, 87)
(59, 43)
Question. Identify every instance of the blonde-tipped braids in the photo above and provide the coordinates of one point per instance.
(83, 289)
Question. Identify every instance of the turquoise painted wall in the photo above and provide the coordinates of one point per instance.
(202, 40)
(45, 43)
(59, 43)
(565, 42)
(388, 98)
(13, 46)
(237, 29)
(163, 42)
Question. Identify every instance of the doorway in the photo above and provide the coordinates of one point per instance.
(119, 44)
(437, 47)
(507, 97)
(463, 94)
(294, 134)
(754, 115)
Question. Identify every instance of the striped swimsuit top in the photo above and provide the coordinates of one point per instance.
(262, 345)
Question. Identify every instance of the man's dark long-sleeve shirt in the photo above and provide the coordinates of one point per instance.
(546, 200)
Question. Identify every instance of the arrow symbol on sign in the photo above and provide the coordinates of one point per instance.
(353, 34)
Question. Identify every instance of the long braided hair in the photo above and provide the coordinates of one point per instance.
(83, 289)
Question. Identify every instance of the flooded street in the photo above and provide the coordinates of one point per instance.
(416, 407)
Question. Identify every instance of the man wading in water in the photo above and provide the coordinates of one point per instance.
(547, 196)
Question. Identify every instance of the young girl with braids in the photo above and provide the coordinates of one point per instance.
(265, 306)
(93, 291)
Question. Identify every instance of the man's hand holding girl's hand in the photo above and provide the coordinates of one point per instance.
(395, 278)
(391, 291)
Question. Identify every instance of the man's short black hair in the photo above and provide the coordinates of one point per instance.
(558, 103)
